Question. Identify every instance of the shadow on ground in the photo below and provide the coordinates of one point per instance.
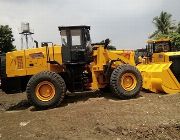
(69, 98)
(22, 105)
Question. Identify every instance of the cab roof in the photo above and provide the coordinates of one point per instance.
(159, 40)
(74, 27)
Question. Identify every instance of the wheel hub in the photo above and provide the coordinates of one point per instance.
(45, 91)
(128, 81)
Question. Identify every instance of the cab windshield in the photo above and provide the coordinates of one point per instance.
(71, 38)
(76, 37)
(162, 47)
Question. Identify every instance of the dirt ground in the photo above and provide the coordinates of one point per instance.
(92, 116)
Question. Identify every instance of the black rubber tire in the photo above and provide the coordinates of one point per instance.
(56, 80)
(10, 85)
(3, 73)
(116, 87)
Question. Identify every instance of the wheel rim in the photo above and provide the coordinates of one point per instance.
(45, 91)
(128, 81)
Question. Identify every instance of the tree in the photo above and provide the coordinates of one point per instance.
(165, 28)
(178, 28)
(6, 39)
(163, 24)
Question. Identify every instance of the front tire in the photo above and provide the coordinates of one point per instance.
(126, 81)
(46, 89)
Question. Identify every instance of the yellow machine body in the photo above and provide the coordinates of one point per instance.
(101, 58)
(32, 61)
(161, 74)
(46, 73)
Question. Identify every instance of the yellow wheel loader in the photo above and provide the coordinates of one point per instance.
(47, 72)
(160, 68)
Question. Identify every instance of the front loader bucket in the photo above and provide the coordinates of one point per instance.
(159, 78)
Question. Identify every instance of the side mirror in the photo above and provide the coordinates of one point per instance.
(88, 37)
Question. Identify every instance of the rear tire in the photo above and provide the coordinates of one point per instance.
(46, 89)
(126, 81)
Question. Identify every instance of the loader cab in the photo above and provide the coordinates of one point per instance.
(76, 44)
(157, 48)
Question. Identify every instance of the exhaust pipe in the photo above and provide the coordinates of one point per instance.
(36, 43)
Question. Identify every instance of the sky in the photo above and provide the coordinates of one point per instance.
(127, 23)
